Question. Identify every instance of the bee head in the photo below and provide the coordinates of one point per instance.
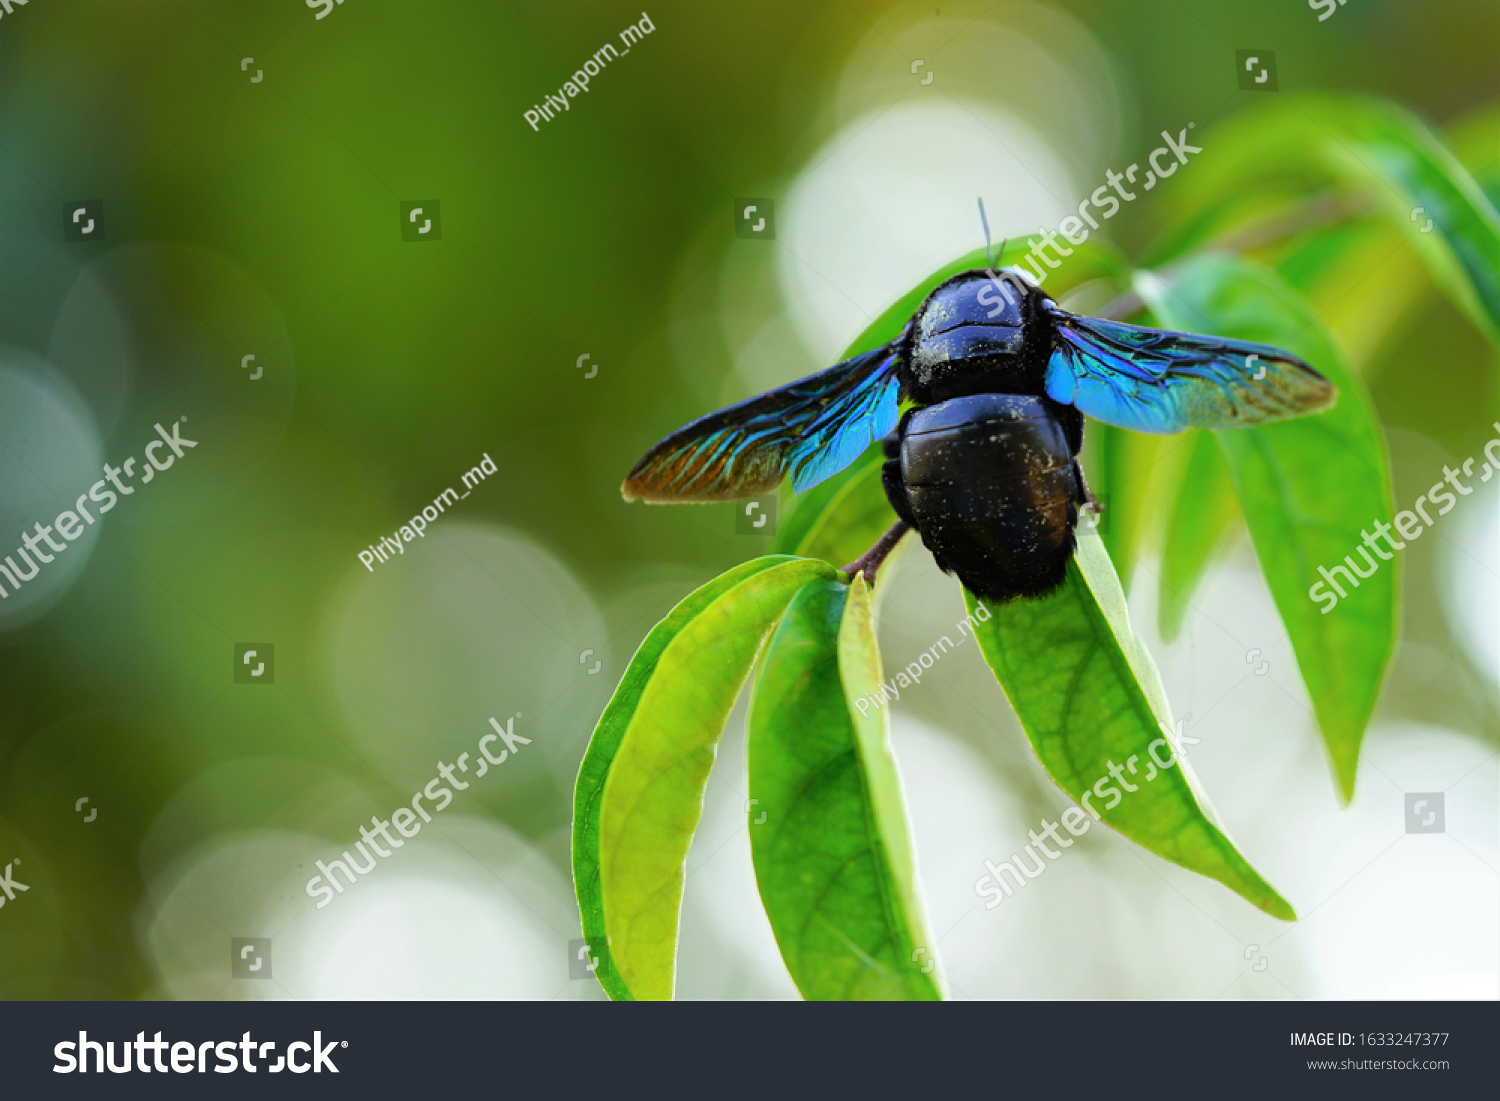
(971, 325)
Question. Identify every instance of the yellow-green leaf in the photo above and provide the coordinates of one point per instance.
(833, 858)
(1202, 509)
(639, 794)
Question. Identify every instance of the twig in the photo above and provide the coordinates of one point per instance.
(1322, 210)
(869, 562)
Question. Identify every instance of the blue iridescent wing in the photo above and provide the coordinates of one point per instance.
(810, 429)
(1157, 381)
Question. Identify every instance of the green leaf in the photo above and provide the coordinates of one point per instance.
(1092, 704)
(1196, 227)
(1475, 139)
(1204, 507)
(1306, 488)
(828, 830)
(605, 742)
(1332, 268)
(840, 519)
(1382, 153)
(1122, 474)
(639, 794)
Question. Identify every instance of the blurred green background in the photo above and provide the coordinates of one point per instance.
(261, 217)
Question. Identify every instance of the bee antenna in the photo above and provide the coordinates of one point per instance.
(985, 223)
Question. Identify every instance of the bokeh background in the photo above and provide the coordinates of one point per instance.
(245, 216)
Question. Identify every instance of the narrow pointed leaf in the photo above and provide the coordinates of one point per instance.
(1382, 153)
(1331, 268)
(639, 794)
(605, 742)
(1475, 139)
(1122, 475)
(833, 857)
(1092, 704)
(1308, 489)
(1202, 510)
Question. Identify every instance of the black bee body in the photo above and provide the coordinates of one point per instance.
(991, 483)
(987, 471)
(983, 463)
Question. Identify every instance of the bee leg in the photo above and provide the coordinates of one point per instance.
(1085, 495)
(869, 562)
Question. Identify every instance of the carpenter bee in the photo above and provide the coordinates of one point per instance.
(980, 404)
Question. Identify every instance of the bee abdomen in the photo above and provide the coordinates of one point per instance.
(991, 485)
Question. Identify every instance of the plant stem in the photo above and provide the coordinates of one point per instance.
(1322, 210)
(869, 562)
